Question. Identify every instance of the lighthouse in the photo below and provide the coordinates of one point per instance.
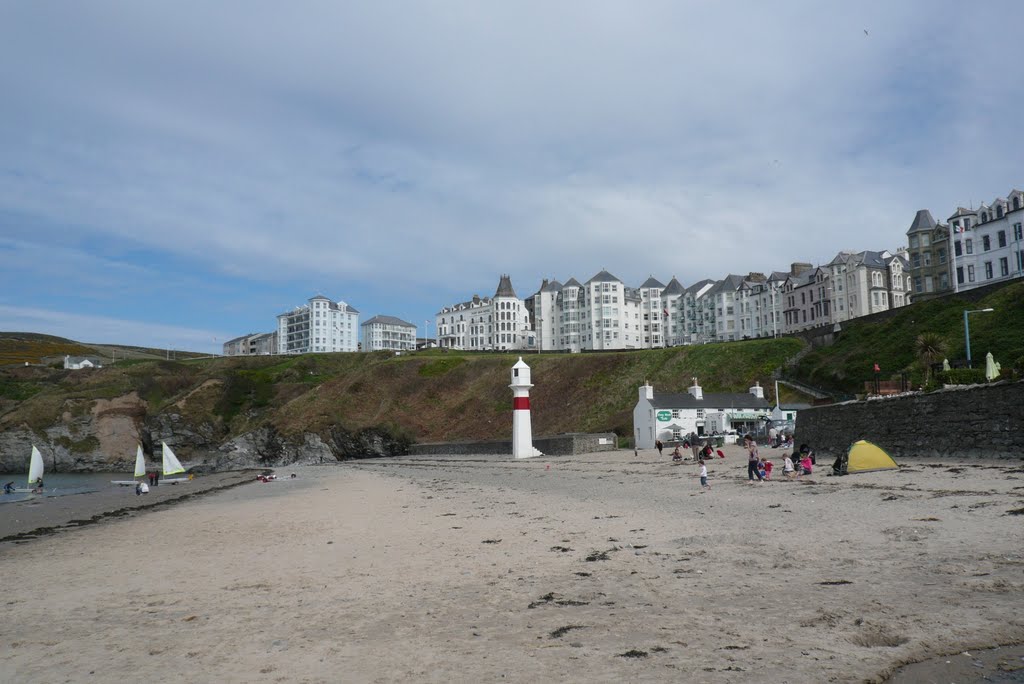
(522, 429)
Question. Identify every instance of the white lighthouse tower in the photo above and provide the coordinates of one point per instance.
(522, 429)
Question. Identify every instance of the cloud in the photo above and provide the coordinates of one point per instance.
(391, 151)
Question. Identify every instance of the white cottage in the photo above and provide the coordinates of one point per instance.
(670, 417)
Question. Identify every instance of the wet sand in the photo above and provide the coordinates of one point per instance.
(22, 521)
(603, 567)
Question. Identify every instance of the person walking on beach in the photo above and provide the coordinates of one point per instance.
(753, 459)
(704, 475)
(659, 446)
(694, 445)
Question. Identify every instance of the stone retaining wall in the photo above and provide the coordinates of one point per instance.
(568, 444)
(976, 421)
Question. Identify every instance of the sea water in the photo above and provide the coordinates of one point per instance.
(60, 484)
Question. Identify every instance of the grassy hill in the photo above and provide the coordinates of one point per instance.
(889, 342)
(427, 396)
(34, 348)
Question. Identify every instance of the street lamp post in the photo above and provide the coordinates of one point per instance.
(967, 331)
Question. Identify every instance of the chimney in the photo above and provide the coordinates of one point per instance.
(757, 390)
(647, 392)
(696, 392)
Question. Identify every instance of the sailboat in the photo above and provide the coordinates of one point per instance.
(35, 471)
(140, 469)
(172, 466)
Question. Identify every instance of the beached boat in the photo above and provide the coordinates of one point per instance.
(140, 469)
(172, 466)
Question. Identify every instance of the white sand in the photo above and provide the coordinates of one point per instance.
(380, 571)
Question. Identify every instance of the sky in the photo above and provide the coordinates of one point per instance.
(176, 174)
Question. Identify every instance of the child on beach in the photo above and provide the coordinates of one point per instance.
(704, 475)
(787, 466)
(768, 465)
(805, 465)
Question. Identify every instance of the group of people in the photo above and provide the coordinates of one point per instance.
(37, 487)
(761, 468)
(692, 442)
(804, 462)
(758, 467)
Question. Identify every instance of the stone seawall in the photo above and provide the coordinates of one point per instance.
(557, 445)
(976, 421)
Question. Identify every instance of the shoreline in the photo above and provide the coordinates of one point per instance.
(601, 567)
(31, 519)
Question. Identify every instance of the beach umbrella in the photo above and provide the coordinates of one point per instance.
(991, 368)
(945, 364)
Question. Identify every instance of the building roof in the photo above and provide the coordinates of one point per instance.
(730, 283)
(717, 400)
(388, 320)
(922, 221)
(505, 287)
(674, 287)
(652, 282)
(700, 287)
(604, 277)
(572, 282)
(553, 286)
(960, 211)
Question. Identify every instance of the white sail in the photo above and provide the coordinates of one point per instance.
(171, 463)
(140, 463)
(35, 467)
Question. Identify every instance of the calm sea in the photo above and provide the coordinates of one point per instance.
(60, 484)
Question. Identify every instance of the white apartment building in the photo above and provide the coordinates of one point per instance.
(486, 324)
(763, 304)
(387, 333)
(319, 326)
(864, 283)
(654, 313)
(988, 242)
(674, 310)
(611, 314)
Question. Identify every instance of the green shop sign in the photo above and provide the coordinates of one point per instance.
(664, 416)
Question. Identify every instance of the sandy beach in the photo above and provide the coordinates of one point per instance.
(603, 567)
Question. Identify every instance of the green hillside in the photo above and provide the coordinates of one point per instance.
(846, 365)
(426, 396)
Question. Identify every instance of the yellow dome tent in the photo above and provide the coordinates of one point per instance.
(864, 457)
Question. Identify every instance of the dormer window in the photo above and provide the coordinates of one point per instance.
(999, 211)
(984, 217)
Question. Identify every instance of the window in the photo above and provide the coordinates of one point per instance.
(1001, 238)
(915, 260)
(925, 241)
(913, 242)
(988, 270)
(1004, 266)
(986, 243)
(960, 274)
(970, 273)
(958, 248)
(1017, 232)
(999, 211)
(942, 256)
(927, 258)
(969, 244)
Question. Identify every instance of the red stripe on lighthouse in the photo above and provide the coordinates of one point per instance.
(520, 403)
